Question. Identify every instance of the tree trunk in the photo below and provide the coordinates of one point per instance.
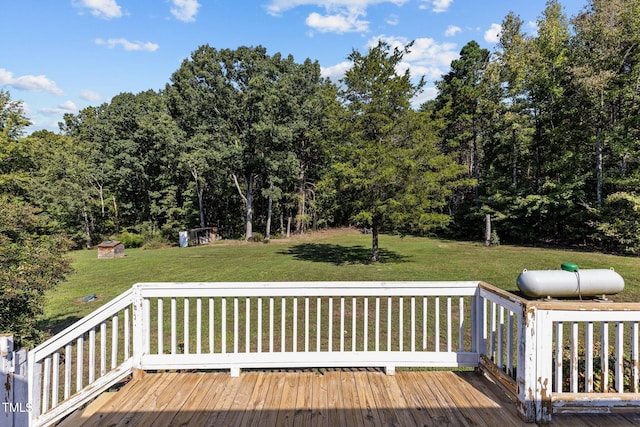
(200, 206)
(599, 156)
(289, 226)
(281, 222)
(375, 251)
(200, 192)
(599, 168)
(115, 212)
(476, 165)
(249, 203)
(99, 187)
(487, 230)
(87, 226)
(267, 234)
(302, 177)
(514, 164)
(300, 216)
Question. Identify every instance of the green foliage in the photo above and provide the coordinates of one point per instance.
(130, 240)
(620, 229)
(390, 171)
(15, 160)
(539, 133)
(32, 262)
(255, 122)
(256, 237)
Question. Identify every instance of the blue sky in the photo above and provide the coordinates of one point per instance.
(59, 56)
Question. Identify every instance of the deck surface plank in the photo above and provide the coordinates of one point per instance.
(304, 409)
(393, 398)
(323, 398)
(242, 399)
(223, 406)
(350, 400)
(319, 406)
(287, 407)
(335, 401)
(209, 389)
(256, 402)
(181, 395)
(163, 399)
(410, 383)
(272, 401)
(386, 412)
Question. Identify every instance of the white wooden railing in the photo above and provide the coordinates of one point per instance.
(82, 361)
(587, 356)
(561, 356)
(521, 344)
(312, 324)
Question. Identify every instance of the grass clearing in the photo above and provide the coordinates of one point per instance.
(326, 256)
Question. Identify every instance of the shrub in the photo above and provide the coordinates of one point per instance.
(256, 237)
(619, 230)
(32, 261)
(130, 240)
(156, 242)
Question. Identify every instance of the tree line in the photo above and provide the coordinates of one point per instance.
(541, 133)
(548, 127)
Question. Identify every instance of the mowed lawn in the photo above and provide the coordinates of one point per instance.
(336, 255)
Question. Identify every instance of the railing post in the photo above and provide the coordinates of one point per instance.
(6, 371)
(140, 327)
(544, 368)
(534, 365)
(527, 361)
(13, 377)
(34, 378)
(478, 315)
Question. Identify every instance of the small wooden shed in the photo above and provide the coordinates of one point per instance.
(111, 249)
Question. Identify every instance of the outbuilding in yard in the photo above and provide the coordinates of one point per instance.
(110, 249)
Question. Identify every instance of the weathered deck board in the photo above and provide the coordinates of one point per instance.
(322, 398)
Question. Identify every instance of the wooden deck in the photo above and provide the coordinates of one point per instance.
(314, 398)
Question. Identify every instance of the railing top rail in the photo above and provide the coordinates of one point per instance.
(80, 327)
(302, 289)
(563, 305)
(584, 305)
(501, 297)
(502, 293)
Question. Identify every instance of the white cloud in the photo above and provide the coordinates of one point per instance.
(336, 72)
(426, 58)
(336, 23)
(106, 9)
(185, 10)
(341, 16)
(429, 93)
(65, 107)
(492, 35)
(89, 95)
(276, 7)
(393, 20)
(425, 52)
(29, 83)
(452, 30)
(127, 45)
(438, 6)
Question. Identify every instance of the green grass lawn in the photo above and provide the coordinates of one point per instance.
(331, 256)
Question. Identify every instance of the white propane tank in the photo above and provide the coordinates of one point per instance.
(570, 282)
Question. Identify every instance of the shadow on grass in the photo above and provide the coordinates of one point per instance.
(56, 324)
(340, 255)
